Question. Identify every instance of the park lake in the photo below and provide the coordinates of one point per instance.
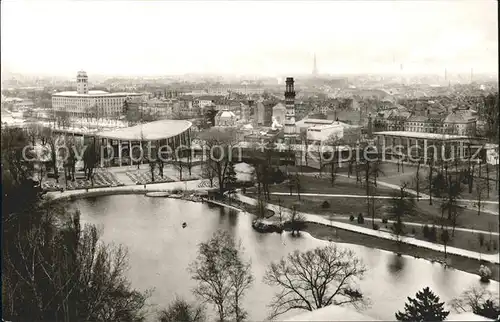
(160, 250)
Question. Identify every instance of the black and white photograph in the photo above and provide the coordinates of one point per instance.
(249, 160)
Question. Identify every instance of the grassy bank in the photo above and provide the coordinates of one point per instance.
(425, 213)
(461, 239)
(323, 184)
(344, 236)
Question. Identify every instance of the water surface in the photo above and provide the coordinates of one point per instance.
(160, 251)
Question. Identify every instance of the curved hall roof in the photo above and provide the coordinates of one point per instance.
(157, 130)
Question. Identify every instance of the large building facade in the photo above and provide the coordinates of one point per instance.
(85, 103)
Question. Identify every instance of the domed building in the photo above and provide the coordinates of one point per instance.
(225, 118)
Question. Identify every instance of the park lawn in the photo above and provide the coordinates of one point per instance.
(338, 206)
(342, 185)
(344, 236)
(394, 177)
(493, 194)
(467, 218)
(424, 213)
(461, 239)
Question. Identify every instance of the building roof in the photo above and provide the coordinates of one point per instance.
(460, 116)
(309, 121)
(149, 131)
(93, 94)
(227, 114)
(279, 106)
(208, 98)
(421, 135)
(417, 118)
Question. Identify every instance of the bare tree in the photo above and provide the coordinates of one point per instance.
(241, 277)
(334, 142)
(51, 139)
(450, 203)
(487, 180)
(207, 171)
(480, 196)
(33, 132)
(57, 271)
(315, 279)
(220, 144)
(417, 178)
(298, 184)
(402, 204)
(297, 221)
(222, 276)
(177, 162)
(181, 310)
(445, 238)
(305, 145)
(261, 207)
(90, 160)
(429, 178)
(280, 210)
(63, 119)
(479, 301)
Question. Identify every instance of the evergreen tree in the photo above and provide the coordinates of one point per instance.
(425, 307)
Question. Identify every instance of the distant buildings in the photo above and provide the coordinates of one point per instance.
(84, 103)
(321, 130)
(225, 118)
(425, 124)
(264, 116)
(460, 122)
(279, 113)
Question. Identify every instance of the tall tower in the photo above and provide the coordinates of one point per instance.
(315, 67)
(82, 83)
(290, 132)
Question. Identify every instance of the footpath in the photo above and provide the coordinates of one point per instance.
(197, 185)
(492, 258)
(468, 203)
(193, 185)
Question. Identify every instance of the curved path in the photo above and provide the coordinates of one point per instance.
(487, 211)
(422, 196)
(194, 186)
(135, 189)
(492, 258)
(469, 230)
(378, 219)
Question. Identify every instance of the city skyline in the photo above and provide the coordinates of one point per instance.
(266, 38)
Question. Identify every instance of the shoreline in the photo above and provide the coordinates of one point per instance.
(462, 263)
(316, 230)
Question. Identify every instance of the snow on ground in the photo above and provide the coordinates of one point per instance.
(346, 313)
(332, 313)
(243, 171)
(492, 258)
(467, 316)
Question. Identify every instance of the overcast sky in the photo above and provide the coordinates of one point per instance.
(240, 37)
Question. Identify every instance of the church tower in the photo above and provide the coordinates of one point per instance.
(82, 83)
(290, 132)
